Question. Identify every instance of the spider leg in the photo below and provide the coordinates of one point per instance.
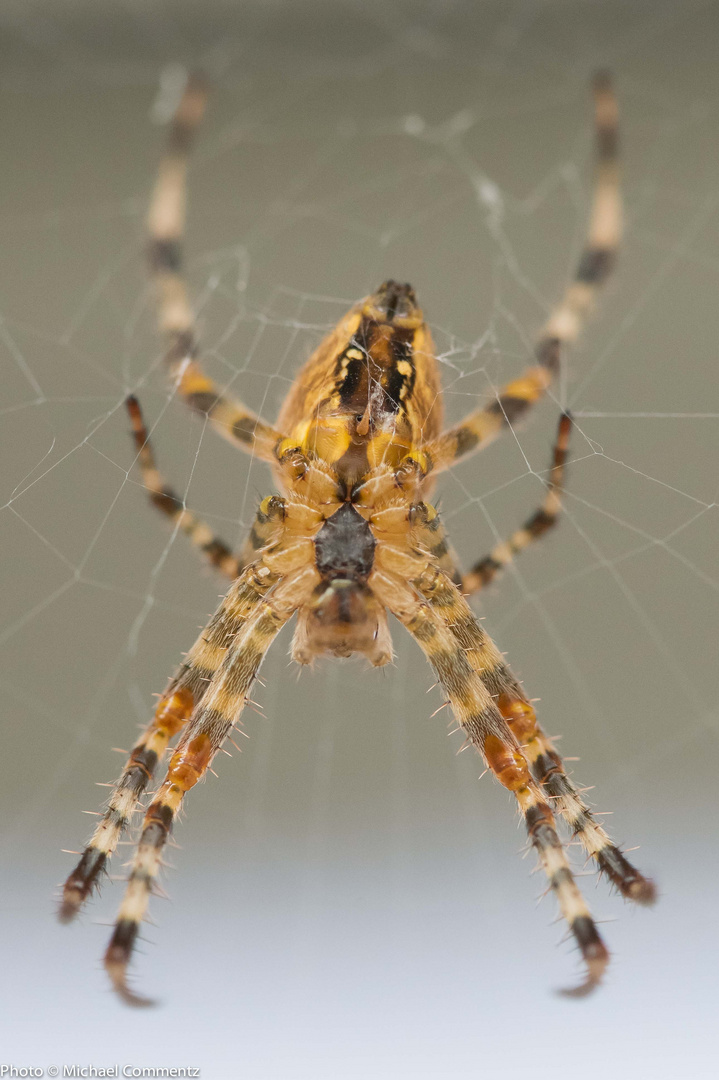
(487, 730)
(172, 710)
(565, 321)
(185, 692)
(209, 726)
(431, 535)
(548, 769)
(545, 763)
(541, 521)
(166, 227)
(217, 553)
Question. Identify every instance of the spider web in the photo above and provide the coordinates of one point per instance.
(348, 873)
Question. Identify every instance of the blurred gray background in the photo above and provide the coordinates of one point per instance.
(349, 899)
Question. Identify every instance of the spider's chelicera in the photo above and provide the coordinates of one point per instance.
(357, 445)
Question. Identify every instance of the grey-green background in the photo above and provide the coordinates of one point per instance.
(349, 900)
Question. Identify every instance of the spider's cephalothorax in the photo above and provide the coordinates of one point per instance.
(351, 537)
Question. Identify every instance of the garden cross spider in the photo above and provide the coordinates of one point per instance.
(358, 441)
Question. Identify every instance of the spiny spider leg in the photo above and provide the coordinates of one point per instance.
(209, 726)
(546, 764)
(487, 730)
(172, 711)
(548, 768)
(185, 692)
(166, 227)
(566, 320)
(430, 532)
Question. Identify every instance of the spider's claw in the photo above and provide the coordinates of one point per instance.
(117, 958)
(596, 957)
(125, 994)
(583, 990)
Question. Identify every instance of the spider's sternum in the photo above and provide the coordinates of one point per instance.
(344, 546)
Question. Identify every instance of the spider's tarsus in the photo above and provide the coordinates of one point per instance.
(116, 960)
(642, 891)
(72, 901)
(124, 992)
(596, 958)
(82, 883)
(67, 911)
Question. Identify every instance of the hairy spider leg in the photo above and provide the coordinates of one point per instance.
(166, 228)
(172, 711)
(219, 671)
(536, 526)
(199, 533)
(185, 692)
(539, 751)
(487, 730)
(430, 533)
(169, 503)
(566, 320)
(548, 768)
(210, 724)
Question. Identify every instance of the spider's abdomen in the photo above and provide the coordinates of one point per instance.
(343, 616)
(370, 393)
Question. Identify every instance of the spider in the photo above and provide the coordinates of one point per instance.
(357, 445)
